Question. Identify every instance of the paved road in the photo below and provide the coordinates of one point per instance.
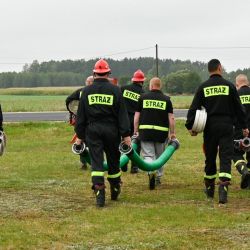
(56, 116)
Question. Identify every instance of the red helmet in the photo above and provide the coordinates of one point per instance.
(101, 66)
(138, 76)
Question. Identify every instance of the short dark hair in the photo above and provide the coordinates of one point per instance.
(213, 65)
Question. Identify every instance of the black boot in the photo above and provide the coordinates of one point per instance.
(151, 177)
(245, 174)
(83, 162)
(223, 191)
(124, 168)
(209, 188)
(115, 190)
(99, 191)
(134, 169)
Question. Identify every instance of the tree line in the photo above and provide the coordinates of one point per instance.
(178, 76)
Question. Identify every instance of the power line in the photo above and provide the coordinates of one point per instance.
(204, 48)
(107, 55)
(128, 51)
(152, 47)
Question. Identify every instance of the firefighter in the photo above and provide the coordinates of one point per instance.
(220, 99)
(75, 96)
(1, 119)
(101, 121)
(131, 94)
(154, 119)
(242, 165)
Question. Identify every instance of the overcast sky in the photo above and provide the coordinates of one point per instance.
(75, 29)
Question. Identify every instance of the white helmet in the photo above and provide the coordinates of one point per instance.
(200, 120)
(2, 142)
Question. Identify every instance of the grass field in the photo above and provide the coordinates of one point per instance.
(29, 103)
(34, 99)
(53, 99)
(46, 201)
(43, 91)
(181, 101)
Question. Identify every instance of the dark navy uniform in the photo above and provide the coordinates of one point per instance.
(1, 119)
(154, 108)
(102, 120)
(244, 93)
(242, 165)
(73, 97)
(131, 94)
(222, 103)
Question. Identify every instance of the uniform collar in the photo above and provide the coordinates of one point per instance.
(214, 75)
(137, 85)
(156, 90)
(100, 80)
(244, 86)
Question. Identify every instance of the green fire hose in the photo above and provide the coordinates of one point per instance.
(124, 159)
(130, 153)
(154, 165)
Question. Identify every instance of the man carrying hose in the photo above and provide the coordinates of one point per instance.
(242, 165)
(75, 96)
(131, 94)
(154, 122)
(101, 121)
(220, 99)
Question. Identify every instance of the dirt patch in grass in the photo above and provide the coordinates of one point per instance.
(23, 204)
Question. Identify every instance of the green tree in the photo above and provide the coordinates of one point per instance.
(191, 82)
(124, 80)
(174, 82)
(182, 81)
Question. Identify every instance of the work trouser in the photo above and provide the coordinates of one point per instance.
(104, 137)
(238, 155)
(151, 151)
(218, 138)
(82, 159)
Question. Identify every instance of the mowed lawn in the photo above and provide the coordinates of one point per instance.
(30, 103)
(39, 103)
(34, 99)
(46, 201)
(53, 99)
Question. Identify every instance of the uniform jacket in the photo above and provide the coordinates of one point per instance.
(131, 94)
(244, 93)
(154, 108)
(1, 118)
(74, 96)
(102, 102)
(221, 101)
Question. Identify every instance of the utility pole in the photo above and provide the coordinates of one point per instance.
(156, 60)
